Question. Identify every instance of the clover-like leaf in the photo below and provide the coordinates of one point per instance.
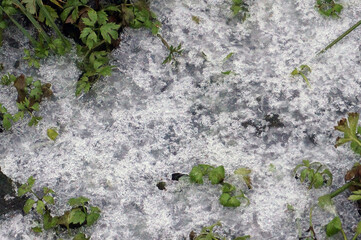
(216, 175)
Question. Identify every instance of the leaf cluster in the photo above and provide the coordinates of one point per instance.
(304, 70)
(351, 132)
(316, 174)
(329, 8)
(138, 15)
(173, 51)
(208, 234)
(239, 7)
(30, 95)
(80, 214)
(230, 197)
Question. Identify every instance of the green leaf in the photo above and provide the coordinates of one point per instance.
(109, 31)
(333, 227)
(354, 197)
(197, 173)
(47, 190)
(92, 18)
(30, 6)
(37, 229)
(325, 202)
(77, 216)
(227, 72)
(228, 56)
(48, 199)
(40, 207)
(102, 17)
(229, 201)
(245, 172)
(80, 236)
(49, 221)
(51, 12)
(28, 205)
(52, 133)
(35, 107)
(92, 218)
(216, 175)
(75, 202)
(318, 180)
(349, 128)
(228, 188)
(34, 121)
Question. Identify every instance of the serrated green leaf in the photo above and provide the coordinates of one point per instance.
(77, 216)
(48, 221)
(30, 6)
(28, 205)
(92, 18)
(48, 199)
(92, 218)
(79, 201)
(109, 31)
(40, 207)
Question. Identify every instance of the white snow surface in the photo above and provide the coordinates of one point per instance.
(150, 120)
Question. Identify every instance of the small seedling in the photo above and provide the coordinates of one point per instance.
(173, 51)
(239, 7)
(230, 197)
(208, 234)
(351, 132)
(329, 8)
(315, 172)
(196, 19)
(304, 70)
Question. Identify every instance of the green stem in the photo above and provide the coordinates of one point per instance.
(355, 237)
(95, 46)
(343, 234)
(305, 78)
(311, 225)
(341, 189)
(51, 21)
(356, 140)
(340, 37)
(32, 20)
(23, 30)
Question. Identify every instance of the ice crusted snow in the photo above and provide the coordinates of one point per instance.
(150, 120)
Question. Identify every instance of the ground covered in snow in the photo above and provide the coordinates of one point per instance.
(150, 120)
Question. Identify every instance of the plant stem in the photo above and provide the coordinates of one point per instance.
(32, 20)
(305, 78)
(23, 30)
(343, 234)
(51, 21)
(341, 189)
(340, 37)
